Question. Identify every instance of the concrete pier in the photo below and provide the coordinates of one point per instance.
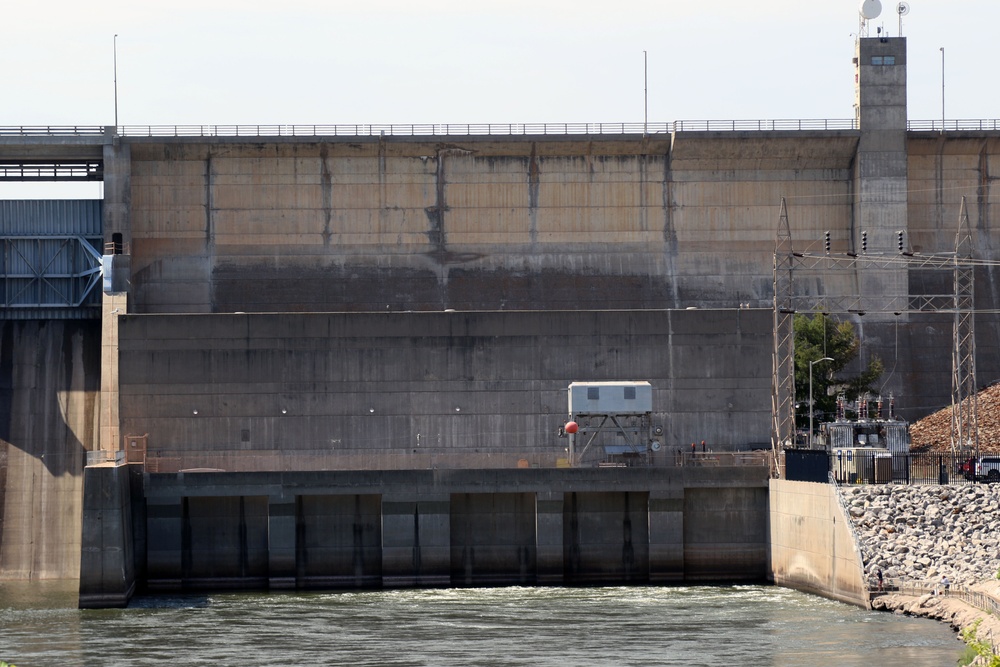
(812, 547)
(373, 529)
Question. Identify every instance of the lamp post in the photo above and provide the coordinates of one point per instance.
(942, 89)
(645, 94)
(115, 41)
(811, 397)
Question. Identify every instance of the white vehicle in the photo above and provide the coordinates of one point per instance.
(988, 468)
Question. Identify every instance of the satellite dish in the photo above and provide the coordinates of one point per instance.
(870, 9)
(903, 8)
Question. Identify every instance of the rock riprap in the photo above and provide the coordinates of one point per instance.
(920, 534)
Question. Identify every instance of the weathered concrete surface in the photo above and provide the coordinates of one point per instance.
(722, 526)
(493, 538)
(384, 390)
(812, 548)
(475, 222)
(570, 223)
(49, 405)
(107, 554)
(351, 529)
(880, 168)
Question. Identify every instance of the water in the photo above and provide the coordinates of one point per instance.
(692, 625)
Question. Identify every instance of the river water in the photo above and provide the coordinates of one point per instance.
(690, 625)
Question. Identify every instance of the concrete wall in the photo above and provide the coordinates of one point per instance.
(576, 223)
(812, 548)
(473, 223)
(108, 551)
(363, 529)
(942, 169)
(49, 407)
(370, 529)
(412, 390)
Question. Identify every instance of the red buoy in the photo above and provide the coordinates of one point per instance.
(571, 427)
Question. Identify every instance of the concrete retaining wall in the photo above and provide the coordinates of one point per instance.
(49, 388)
(443, 390)
(375, 529)
(812, 548)
(355, 529)
(561, 222)
(474, 223)
(108, 550)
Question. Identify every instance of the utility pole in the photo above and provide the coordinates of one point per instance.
(942, 89)
(645, 93)
(116, 80)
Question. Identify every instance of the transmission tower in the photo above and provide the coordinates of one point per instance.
(964, 399)
(783, 359)
(795, 268)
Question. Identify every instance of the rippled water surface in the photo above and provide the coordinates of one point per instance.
(694, 625)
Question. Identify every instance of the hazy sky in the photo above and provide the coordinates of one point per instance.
(474, 61)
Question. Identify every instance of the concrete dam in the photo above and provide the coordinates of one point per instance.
(297, 301)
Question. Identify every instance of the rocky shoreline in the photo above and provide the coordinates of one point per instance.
(946, 608)
(918, 535)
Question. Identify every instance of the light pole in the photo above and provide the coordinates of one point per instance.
(811, 397)
(115, 41)
(645, 94)
(942, 89)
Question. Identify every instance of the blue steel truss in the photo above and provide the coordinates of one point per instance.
(49, 272)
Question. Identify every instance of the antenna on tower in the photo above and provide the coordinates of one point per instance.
(868, 10)
(902, 9)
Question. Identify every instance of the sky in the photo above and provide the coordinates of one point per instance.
(208, 62)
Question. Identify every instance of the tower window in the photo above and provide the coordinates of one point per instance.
(883, 60)
(629, 393)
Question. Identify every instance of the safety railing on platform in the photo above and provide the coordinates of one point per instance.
(978, 599)
(97, 457)
(51, 130)
(485, 129)
(846, 514)
(319, 459)
(970, 124)
(488, 129)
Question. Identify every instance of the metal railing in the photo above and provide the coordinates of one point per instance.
(484, 129)
(51, 130)
(885, 468)
(438, 129)
(846, 515)
(100, 456)
(969, 124)
(167, 460)
(978, 599)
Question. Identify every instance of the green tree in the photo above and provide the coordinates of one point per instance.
(978, 648)
(821, 336)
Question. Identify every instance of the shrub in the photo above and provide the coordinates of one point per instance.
(979, 647)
